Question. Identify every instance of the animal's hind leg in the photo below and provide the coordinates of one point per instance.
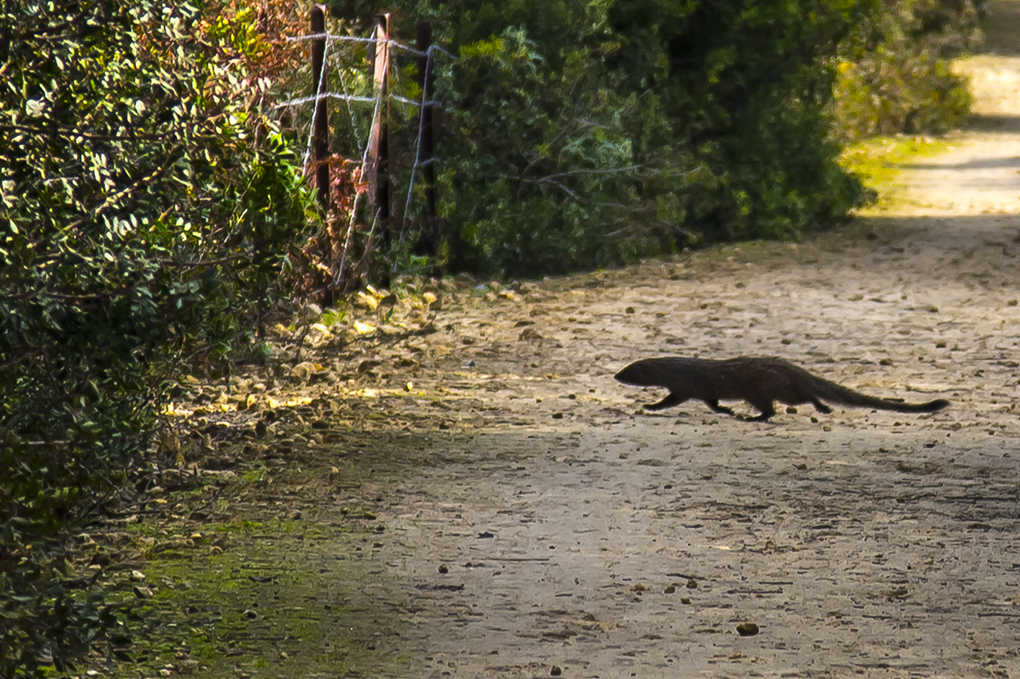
(819, 406)
(766, 408)
(668, 402)
(714, 405)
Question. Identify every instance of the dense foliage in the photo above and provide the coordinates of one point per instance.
(894, 76)
(147, 206)
(580, 134)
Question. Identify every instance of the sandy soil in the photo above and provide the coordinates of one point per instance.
(531, 520)
(581, 534)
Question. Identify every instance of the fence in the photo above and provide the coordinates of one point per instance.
(375, 170)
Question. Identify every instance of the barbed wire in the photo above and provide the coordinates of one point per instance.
(376, 100)
(355, 98)
(417, 147)
(333, 37)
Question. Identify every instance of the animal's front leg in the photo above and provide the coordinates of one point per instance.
(668, 402)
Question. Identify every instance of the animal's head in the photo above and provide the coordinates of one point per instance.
(635, 373)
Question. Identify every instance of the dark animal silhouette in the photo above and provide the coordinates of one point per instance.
(759, 381)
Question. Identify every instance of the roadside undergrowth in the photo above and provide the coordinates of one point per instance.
(880, 160)
(214, 577)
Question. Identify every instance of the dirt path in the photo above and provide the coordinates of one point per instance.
(612, 544)
(522, 518)
(580, 535)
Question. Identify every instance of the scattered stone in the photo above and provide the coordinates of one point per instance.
(187, 666)
(302, 372)
(368, 365)
(529, 335)
(747, 629)
(311, 312)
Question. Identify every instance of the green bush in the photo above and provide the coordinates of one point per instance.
(585, 134)
(578, 135)
(895, 77)
(749, 87)
(147, 207)
(544, 174)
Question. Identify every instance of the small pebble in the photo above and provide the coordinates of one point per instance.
(747, 629)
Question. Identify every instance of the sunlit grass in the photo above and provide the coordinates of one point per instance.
(880, 160)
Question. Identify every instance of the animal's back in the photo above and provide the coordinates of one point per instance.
(730, 378)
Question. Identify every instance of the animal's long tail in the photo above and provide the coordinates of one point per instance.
(830, 391)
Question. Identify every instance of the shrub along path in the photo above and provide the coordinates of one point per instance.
(480, 498)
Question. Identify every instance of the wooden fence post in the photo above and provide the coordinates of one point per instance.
(426, 78)
(321, 131)
(380, 144)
